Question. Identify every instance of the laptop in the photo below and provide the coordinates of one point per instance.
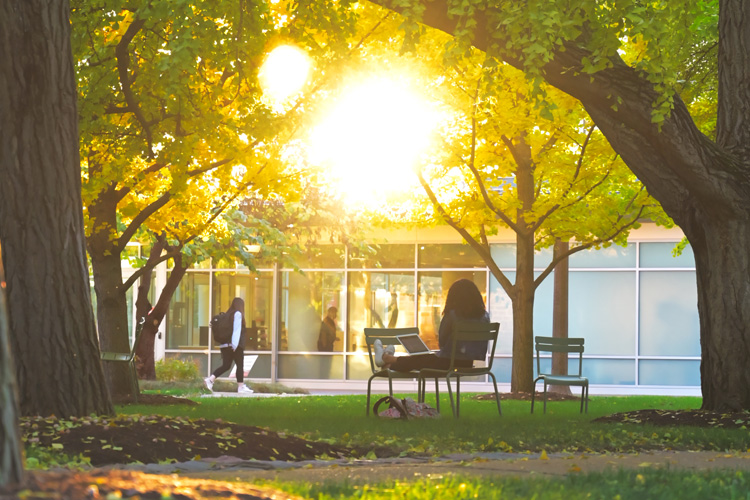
(413, 344)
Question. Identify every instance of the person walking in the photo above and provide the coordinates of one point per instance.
(234, 350)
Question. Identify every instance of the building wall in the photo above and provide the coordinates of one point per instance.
(636, 307)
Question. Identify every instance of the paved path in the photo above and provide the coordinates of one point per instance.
(360, 471)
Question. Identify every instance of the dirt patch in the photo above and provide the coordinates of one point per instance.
(155, 439)
(695, 418)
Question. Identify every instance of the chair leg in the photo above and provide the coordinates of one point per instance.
(586, 389)
(497, 396)
(369, 387)
(450, 396)
(545, 397)
(437, 395)
(458, 396)
(533, 393)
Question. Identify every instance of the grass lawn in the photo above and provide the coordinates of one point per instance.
(342, 420)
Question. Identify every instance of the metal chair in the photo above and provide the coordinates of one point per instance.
(464, 331)
(388, 336)
(129, 358)
(566, 345)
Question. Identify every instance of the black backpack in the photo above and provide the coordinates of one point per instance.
(222, 326)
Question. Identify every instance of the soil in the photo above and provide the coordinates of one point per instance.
(112, 440)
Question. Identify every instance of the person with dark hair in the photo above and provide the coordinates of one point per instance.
(234, 350)
(463, 303)
(328, 328)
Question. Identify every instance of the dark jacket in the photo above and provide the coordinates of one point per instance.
(327, 335)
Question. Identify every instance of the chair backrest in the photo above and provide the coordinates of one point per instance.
(466, 331)
(388, 336)
(559, 344)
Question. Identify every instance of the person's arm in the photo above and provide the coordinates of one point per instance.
(237, 330)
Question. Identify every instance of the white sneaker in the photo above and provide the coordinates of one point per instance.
(243, 389)
(377, 347)
(208, 384)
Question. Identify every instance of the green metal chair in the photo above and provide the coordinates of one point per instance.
(129, 358)
(388, 337)
(464, 331)
(566, 345)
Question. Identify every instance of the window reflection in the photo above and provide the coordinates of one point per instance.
(188, 316)
(256, 290)
(305, 300)
(433, 288)
(379, 300)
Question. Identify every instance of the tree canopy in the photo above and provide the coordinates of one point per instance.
(591, 51)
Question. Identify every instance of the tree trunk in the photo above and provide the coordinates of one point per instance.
(703, 185)
(560, 314)
(11, 447)
(724, 306)
(522, 374)
(111, 301)
(154, 316)
(53, 338)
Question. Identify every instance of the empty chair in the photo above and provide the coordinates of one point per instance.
(566, 345)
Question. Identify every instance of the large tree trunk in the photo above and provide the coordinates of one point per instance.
(111, 300)
(53, 338)
(704, 186)
(560, 314)
(11, 447)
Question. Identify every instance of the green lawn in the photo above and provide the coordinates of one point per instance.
(342, 419)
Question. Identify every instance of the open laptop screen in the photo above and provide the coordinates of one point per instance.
(413, 344)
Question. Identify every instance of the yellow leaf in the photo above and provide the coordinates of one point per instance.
(543, 455)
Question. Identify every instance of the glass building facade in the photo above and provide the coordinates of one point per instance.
(636, 307)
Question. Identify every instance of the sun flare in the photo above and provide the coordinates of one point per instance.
(372, 139)
(284, 73)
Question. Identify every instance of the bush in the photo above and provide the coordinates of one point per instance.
(177, 370)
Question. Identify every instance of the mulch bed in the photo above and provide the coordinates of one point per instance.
(695, 418)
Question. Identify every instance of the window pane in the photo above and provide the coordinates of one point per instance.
(612, 256)
(660, 255)
(501, 310)
(358, 366)
(504, 255)
(188, 315)
(379, 300)
(598, 371)
(449, 255)
(256, 290)
(609, 371)
(602, 310)
(669, 372)
(305, 300)
(386, 256)
(311, 366)
(669, 314)
(321, 257)
(433, 289)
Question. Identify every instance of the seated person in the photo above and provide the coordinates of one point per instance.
(463, 303)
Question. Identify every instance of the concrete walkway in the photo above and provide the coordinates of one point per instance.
(481, 464)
